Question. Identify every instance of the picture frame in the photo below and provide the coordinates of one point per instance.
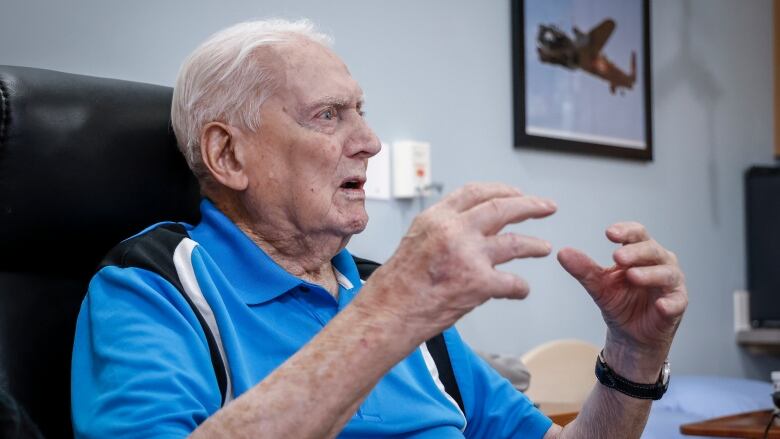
(776, 19)
(582, 76)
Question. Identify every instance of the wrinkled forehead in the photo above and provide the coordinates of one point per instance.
(310, 71)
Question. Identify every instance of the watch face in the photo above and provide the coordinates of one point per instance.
(666, 372)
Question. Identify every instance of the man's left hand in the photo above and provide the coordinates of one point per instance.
(642, 298)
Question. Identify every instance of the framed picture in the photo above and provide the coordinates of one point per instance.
(582, 76)
(777, 81)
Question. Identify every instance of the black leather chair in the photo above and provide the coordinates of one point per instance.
(84, 163)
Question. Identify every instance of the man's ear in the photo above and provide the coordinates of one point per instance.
(218, 151)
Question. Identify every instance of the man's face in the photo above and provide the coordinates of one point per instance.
(307, 162)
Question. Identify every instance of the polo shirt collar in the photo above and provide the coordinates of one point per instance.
(255, 276)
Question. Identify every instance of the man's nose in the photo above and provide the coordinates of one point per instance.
(363, 141)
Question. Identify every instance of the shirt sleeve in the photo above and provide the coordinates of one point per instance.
(494, 408)
(141, 366)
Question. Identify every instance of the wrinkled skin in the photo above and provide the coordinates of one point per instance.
(448, 256)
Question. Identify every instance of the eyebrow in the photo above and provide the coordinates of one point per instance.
(335, 101)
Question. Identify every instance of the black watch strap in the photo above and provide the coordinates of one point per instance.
(609, 378)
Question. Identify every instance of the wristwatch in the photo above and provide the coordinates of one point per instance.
(609, 378)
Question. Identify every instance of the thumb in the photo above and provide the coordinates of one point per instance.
(582, 268)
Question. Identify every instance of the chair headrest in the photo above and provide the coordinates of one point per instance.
(84, 163)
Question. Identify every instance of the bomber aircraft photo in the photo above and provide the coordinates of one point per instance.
(584, 51)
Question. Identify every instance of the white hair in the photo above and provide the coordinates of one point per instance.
(222, 81)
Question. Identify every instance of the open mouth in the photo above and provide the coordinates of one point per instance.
(352, 183)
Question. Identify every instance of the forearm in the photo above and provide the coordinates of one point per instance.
(608, 413)
(316, 391)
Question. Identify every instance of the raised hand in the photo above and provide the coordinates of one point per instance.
(445, 265)
(642, 297)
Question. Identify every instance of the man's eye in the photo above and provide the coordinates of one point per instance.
(328, 114)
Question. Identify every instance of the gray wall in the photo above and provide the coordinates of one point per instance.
(440, 71)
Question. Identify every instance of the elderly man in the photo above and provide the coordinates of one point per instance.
(249, 324)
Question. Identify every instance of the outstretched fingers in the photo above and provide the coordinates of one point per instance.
(627, 232)
(665, 281)
(507, 246)
(473, 194)
(643, 253)
(582, 267)
(505, 285)
(656, 276)
(493, 215)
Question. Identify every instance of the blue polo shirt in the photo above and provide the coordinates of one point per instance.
(142, 368)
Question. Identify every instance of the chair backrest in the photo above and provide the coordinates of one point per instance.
(84, 163)
(562, 371)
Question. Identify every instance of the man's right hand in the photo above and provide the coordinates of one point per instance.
(443, 269)
(445, 265)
